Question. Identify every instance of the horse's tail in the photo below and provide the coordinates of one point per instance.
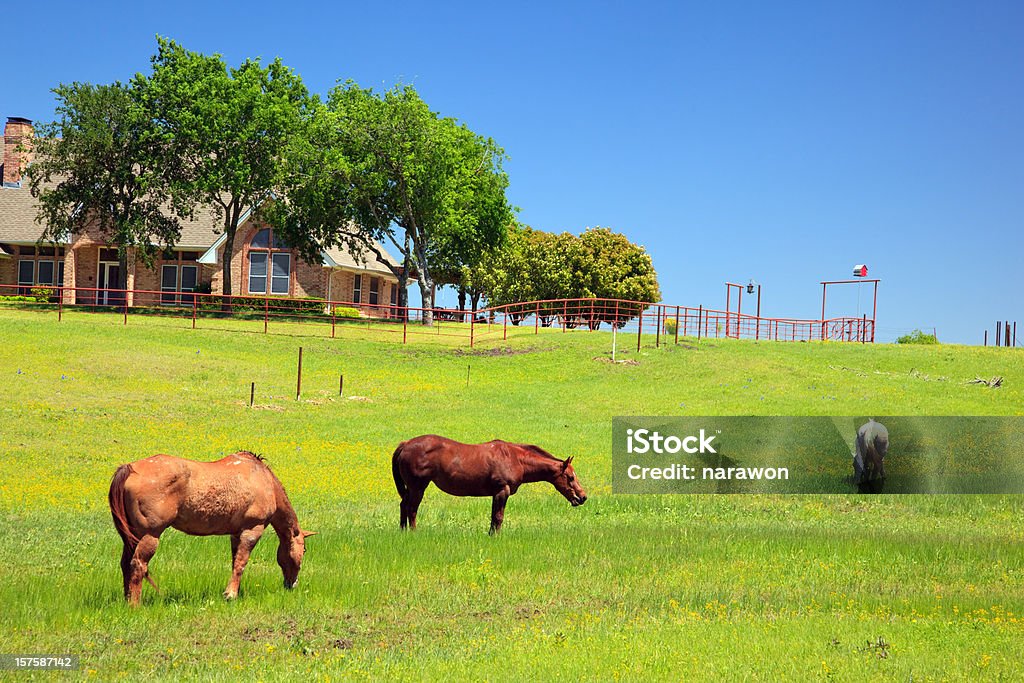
(116, 500)
(396, 473)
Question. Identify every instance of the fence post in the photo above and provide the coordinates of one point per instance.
(700, 314)
(60, 304)
(677, 324)
(504, 324)
(472, 328)
(658, 317)
(565, 315)
(266, 312)
(298, 381)
(536, 319)
(639, 329)
(195, 309)
(405, 323)
(334, 315)
(125, 295)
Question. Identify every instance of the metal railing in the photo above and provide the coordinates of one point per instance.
(662, 322)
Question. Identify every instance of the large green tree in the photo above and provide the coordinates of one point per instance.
(384, 168)
(536, 265)
(226, 127)
(104, 161)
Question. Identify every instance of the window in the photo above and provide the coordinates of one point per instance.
(270, 264)
(26, 277)
(374, 291)
(44, 274)
(257, 272)
(357, 288)
(40, 267)
(188, 282)
(168, 283)
(177, 278)
(282, 273)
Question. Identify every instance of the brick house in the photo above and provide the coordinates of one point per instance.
(88, 269)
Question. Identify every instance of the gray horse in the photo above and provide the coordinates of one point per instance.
(869, 461)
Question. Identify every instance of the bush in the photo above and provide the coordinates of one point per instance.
(670, 325)
(37, 295)
(277, 305)
(918, 337)
(346, 312)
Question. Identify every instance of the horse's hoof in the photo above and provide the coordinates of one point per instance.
(228, 595)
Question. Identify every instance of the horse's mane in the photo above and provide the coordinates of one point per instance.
(255, 456)
(538, 451)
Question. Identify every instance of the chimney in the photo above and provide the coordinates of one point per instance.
(18, 131)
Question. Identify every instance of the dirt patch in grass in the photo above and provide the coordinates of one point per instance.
(500, 351)
(620, 361)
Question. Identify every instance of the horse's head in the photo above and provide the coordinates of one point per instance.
(289, 555)
(568, 485)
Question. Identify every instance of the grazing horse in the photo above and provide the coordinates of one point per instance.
(869, 461)
(237, 496)
(495, 468)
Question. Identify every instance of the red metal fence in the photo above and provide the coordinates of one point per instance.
(659, 323)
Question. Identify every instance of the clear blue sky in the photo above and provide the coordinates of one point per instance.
(778, 141)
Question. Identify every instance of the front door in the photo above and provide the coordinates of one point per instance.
(110, 275)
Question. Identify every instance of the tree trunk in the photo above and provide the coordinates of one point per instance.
(427, 294)
(462, 302)
(230, 227)
(403, 282)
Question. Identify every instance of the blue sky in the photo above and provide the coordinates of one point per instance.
(778, 141)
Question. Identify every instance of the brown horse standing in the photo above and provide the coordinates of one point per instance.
(495, 468)
(237, 496)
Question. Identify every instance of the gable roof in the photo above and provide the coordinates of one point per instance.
(201, 232)
(18, 216)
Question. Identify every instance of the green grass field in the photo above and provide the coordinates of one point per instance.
(837, 587)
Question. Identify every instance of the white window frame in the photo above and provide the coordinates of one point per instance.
(53, 273)
(168, 295)
(287, 277)
(25, 287)
(266, 264)
(374, 291)
(181, 279)
(357, 288)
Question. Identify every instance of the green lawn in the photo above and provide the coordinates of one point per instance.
(624, 587)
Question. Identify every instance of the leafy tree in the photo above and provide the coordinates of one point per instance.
(226, 127)
(103, 160)
(536, 265)
(385, 168)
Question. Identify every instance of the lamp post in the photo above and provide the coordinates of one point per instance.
(739, 306)
(751, 286)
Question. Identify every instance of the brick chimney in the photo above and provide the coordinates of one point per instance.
(16, 132)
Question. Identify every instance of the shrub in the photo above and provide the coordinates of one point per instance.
(918, 337)
(670, 325)
(346, 312)
(277, 305)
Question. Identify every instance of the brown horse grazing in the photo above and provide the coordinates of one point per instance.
(495, 468)
(237, 496)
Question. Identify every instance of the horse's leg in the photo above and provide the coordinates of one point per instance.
(126, 566)
(498, 509)
(144, 552)
(412, 501)
(241, 548)
(404, 507)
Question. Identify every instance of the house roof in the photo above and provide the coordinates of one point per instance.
(201, 232)
(18, 216)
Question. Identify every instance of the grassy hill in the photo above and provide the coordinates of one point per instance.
(754, 587)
